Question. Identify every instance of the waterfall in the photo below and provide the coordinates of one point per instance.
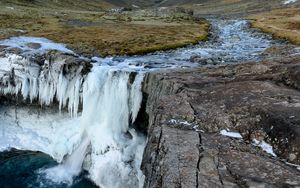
(108, 102)
(72, 166)
(110, 98)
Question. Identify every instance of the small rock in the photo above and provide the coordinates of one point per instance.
(33, 45)
(15, 50)
(292, 157)
(198, 59)
(3, 47)
(209, 61)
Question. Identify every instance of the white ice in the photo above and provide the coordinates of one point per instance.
(231, 134)
(28, 129)
(293, 165)
(65, 172)
(45, 83)
(264, 146)
(109, 104)
(289, 1)
(46, 45)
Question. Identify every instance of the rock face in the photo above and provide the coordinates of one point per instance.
(188, 109)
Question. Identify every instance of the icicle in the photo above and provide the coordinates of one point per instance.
(136, 96)
(108, 101)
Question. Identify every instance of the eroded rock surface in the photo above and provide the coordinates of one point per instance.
(188, 109)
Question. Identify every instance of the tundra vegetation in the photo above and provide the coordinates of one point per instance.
(104, 31)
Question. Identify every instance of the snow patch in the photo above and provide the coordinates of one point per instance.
(11, 8)
(289, 1)
(264, 146)
(230, 134)
(181, 122)
(294, 165)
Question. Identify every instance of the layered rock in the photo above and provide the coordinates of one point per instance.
(188, 109)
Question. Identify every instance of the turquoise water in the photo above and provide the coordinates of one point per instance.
(21, 169)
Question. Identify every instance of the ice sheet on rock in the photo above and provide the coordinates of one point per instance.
(46, 45)
(265, 147)
(289, 1)
(231, 134)
(293, 165)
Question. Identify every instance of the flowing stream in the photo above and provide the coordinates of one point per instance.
(95, 140)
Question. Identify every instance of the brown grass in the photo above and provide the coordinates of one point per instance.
(99, 33)
(282, 23)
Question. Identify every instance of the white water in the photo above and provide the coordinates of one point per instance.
(72, 166)
(22, 43)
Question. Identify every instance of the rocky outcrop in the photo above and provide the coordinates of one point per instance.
(188, 109)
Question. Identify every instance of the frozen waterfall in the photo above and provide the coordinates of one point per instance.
(100, 140)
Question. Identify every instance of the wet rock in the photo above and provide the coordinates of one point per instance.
(3, 47)
(198, 59)
(33, 45)
(204, 61)
(14, 50)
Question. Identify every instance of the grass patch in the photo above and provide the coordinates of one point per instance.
(101, 33)
(281, 23)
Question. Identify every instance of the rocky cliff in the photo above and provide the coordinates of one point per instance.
(188, 109)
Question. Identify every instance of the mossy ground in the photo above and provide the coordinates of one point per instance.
(102, 33)
(281, 23)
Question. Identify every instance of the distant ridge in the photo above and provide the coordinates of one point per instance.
(67, 4)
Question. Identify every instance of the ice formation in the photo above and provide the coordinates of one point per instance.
(289, 1)
(264, 146)
(46, 83)
(230, 134)
(98, 138)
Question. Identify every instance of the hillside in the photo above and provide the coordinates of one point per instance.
(66, 4)
(204, 6)
(88, 29)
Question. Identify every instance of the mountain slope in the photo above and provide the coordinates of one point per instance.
(67, 4)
